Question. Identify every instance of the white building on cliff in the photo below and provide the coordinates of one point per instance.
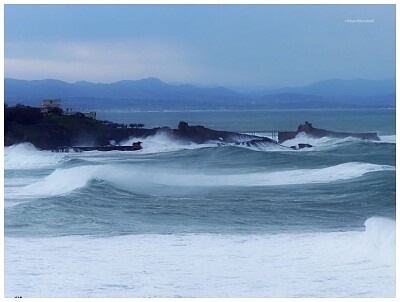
(49, 104)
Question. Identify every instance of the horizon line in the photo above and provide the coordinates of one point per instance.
(200, 84)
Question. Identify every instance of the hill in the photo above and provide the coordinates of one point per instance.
(340, 88)
(154, 94)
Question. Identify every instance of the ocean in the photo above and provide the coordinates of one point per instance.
(189, 220)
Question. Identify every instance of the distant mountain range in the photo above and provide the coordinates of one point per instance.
(154, 94)
(339, 88)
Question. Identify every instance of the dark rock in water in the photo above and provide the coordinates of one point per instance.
(301, 146)
(259, 143)
(135, 146)
(201, 134)
(66, 149)
(183, 127)
(318, 133)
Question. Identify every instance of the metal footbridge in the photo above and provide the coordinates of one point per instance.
(273, 134)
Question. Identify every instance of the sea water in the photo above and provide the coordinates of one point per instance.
(188, 220)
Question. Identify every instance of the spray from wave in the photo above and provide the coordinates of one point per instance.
(162, 142)
(324, 143)
(26, 156)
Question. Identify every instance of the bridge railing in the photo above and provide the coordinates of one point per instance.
(272, 133)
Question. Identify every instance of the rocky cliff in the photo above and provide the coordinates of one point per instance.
(318, 133)
(53, 130)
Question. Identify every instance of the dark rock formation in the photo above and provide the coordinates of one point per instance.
(260, 143)
(63, 132)
(201, 134)
(135, 146)
(318, 133)
(301, 146)
(50, 131)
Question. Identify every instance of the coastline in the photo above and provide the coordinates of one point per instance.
(55, 131)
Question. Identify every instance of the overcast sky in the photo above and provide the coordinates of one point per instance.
(246, 45)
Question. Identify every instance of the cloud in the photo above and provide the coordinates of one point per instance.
(102, 62)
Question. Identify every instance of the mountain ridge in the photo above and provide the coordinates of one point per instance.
(340, 87)
(336, 93)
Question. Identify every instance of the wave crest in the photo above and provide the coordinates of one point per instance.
(26, 156)
(139, 179)
(162, 142)
(330, 142)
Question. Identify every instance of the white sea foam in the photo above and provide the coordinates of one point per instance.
(263, 146)
(161, 142)
(323, 142)
(26, 156)
(381, 236)
(139, 179)
(390, 139)
(335, 264)
(329, 142)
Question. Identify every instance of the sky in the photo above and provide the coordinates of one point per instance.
(228, 45)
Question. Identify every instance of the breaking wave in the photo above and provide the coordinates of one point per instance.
(303, 138)
(331, 142)
(261, 145)
(162, 142)
(26, 156)
(134, 178)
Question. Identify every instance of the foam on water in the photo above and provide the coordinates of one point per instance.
(138, 179)
(389, 139)
(263, 146)
(330, 142)
(323, 142)
(161, 142)
(26, 156)
(334, 264)
(12, 187)
(381, 236)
